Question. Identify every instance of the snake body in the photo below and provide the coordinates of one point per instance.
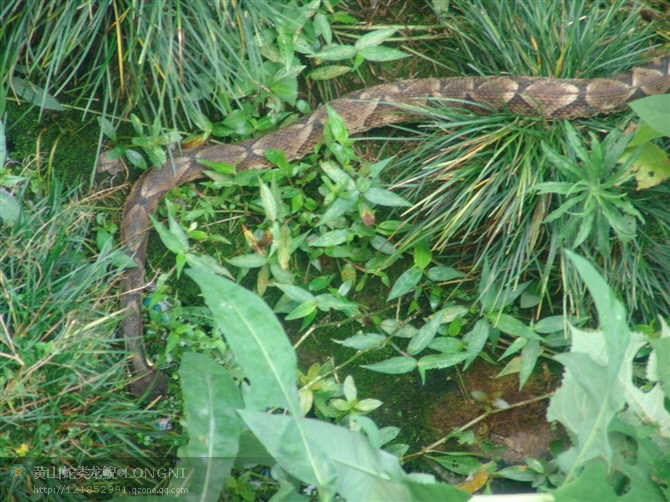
(361, 110)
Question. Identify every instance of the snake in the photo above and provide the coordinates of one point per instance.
(362, 110)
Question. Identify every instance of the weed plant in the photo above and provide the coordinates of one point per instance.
(481, 183)
(62, 371)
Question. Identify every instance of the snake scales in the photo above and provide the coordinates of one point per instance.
(361, 110)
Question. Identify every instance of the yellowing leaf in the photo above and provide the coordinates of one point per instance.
(652, 166)
(475, 481)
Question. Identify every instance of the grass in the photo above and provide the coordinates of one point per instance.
(62, 371)
(478, 195)
(477, 205)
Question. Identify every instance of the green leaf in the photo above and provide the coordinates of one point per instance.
(529, 355)
(211, 400)
(442, 274)
(512, 326)
(335, 52)
(375, 38)
(332, 238)
(257, 339)
(459, 463)
(652, 166)
(35, 95)
(270, 204)
(384, 197)
(172, 241)
(302, 310)
(329, 72)
(248, 261)
(655, 111)
(346, 461)
(590, 485)
(425, 334)
(107, 128)
(405, 283)
(447, 344)
(337, 125)
(552, 324)
(10, 208)
(362, 341)
(339, 207)
(296, 293)
(135, 158)
(393, 366)
(518, 473)
(440, 361)
(292, 443)
(381, 54)
(422, 255)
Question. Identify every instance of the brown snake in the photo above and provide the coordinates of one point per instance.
(361, 110)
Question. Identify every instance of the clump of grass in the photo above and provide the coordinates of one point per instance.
(171, 60)
(477, 197)
(62, 373)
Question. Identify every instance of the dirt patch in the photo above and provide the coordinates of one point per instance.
(520, 432)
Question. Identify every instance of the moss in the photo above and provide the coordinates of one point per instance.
(63, 143)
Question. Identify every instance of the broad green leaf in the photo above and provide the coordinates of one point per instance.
(447, 344)
(362, 341)
(35, 95)
(211, 400)
(248, 261)
(335, 53)
(172, 241)
(286, 440)
(425, 334)
(270, 205)
(552, 324)
(337, 174)
(652, 166)
(346, 460)
(440, 361)
(106, 127)
(296, 293)
(10, 208)
(529, 355)
(339, 207)
(381, 54)
(332, 238)
(256, 338)
(322, 27)
(393, 366)
(135, 158)
(459, 463)
(441, 274)
(337, 125)
(422, 255)
(518, 473)
(611, 312)
(515, 347)
(512, 326)
(591, 484)
(405, 283)
(659, 362)
(476, 339)
(302, 310)
(329, 72)
(375, 38)
(385, 197)
(655, 111)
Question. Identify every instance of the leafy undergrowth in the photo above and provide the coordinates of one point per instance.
(478, 281)
(618, 425)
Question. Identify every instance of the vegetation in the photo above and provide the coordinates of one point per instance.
(468, 244)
